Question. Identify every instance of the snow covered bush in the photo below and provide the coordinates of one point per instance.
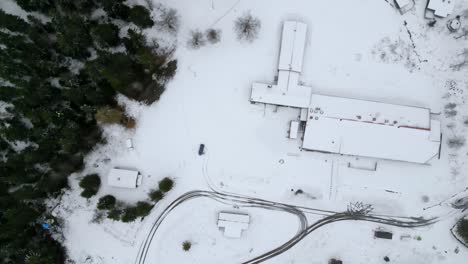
(450, 110)
(213, 35)
(169, 20)
(106, 202)
(166, 184)
(156, 195)
(247, 27)
(91, 184)
(186, 245)
(196, 39)
(131, 213)
(115, 214)
(456, 142)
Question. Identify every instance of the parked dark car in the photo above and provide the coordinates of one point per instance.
(201, 150)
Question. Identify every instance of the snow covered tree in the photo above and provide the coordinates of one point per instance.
(169, 20)
(196, 39)
(247, 27)
(213, 35)
(140, 16)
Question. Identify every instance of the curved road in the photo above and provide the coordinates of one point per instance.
(223, 198)
(303, 230)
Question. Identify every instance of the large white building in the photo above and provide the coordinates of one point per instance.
(344, 125)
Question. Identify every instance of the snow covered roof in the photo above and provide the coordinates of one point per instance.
(402, 3)
(233, 223)
(441, 8)
(287, 92)
(292, 46)
(344, 125)
(371, 129)
(123, 178)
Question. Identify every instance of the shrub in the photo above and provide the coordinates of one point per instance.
(335, 261)
(186, 245)
(106, 202)
(456, 142)
(128, 122)
(247, 27)
(213, 35)
(90, 184)
(115, 214)
(169, 20)
(166, 184)
(156, 195)
(462, 229)
(108, 115)
(196, 39)
(140, 16)
(129, 214)
(143, 208)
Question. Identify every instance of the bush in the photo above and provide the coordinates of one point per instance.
(335, 261)
(247, 27)
(462, 229)
(213, 35)
(196, 39)
(186, 245)
(115, 214)
(143, 208)
(456, 142)
(140, 16)
(106, 202)
(129, 214)
(108, 115)
(156, 195)
(166, 184)
(169, 20)
(90, 184)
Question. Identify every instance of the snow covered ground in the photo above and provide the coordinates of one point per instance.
(361, 49)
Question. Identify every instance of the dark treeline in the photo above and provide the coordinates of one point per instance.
(57, 70)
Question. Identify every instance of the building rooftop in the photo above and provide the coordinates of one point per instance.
(441, 8)
(123, 178)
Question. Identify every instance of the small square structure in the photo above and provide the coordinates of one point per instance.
(124, 178)
(233, 223)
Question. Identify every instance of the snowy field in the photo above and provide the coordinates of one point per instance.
(361, 49)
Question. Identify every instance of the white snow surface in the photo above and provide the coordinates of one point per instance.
(357, 50)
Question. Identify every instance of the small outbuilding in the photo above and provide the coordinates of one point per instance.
(383, 234)
(124, 178)
(233, 223)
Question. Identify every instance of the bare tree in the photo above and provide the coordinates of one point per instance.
(197, 39)
(213, 35)
(169, 20)
(359, 208)
(463, 62)
(456, 142)
(247, 27)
